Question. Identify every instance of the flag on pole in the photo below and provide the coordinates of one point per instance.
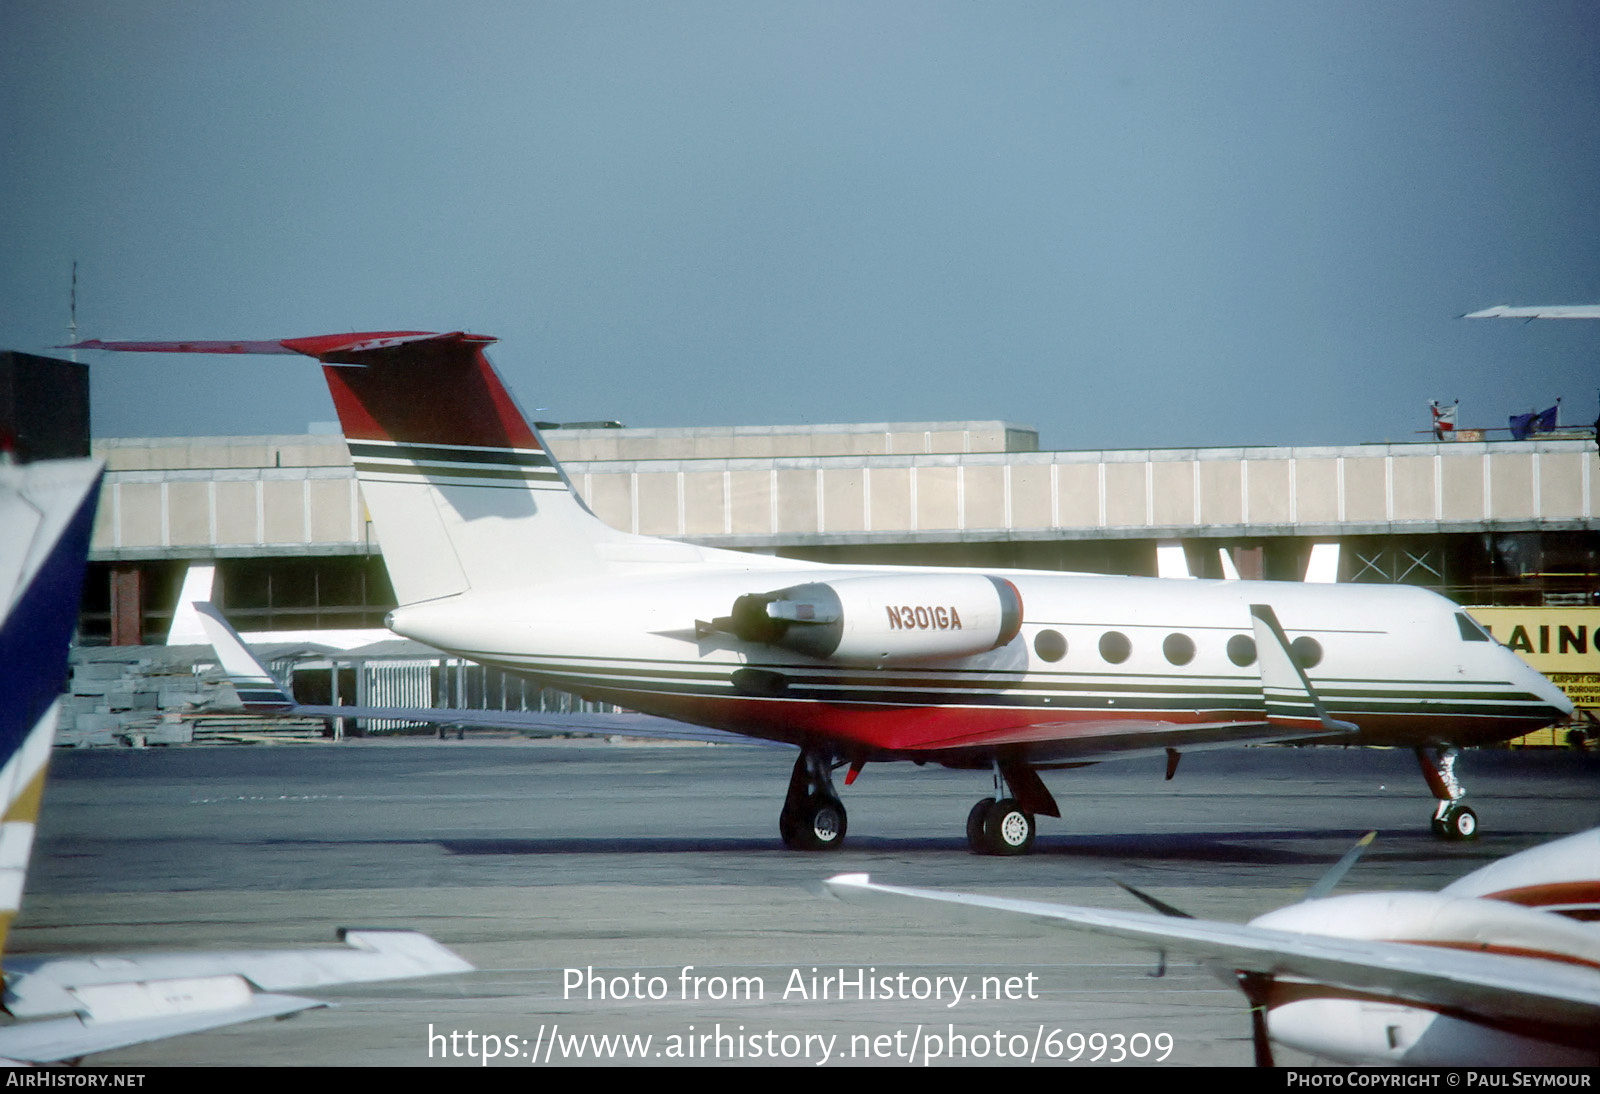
(1444, 419)
(1534, 422)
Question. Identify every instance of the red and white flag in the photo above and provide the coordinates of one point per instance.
(1444, 419)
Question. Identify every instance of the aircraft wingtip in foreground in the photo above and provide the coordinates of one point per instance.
(494, 557)
(67, 1008)
(1498, 968)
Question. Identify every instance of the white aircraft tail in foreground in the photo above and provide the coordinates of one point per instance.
(67, 1008)
(1499, 968)
(494, 557)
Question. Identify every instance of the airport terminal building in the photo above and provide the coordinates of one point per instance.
(1485, 523)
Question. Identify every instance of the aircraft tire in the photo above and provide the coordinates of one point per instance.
(789, 829)
(1461, 823)
(819, 824)
(1008, 829)
(1458, 823)
(975, 837)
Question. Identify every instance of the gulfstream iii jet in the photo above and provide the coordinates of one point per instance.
(495, 557)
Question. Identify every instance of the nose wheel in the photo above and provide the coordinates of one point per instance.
(1453, 819)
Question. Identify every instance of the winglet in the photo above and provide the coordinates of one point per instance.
(1338, 870)
(258, 689)
(1290, 698)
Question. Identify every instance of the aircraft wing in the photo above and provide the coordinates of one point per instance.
(67, 1039)
(1488, 985)
(1128, 738)
(101, 1002)
(586, 723)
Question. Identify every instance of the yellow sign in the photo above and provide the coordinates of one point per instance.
(1562, 643)
(1549, 639)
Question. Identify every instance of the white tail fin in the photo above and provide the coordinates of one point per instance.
(259, 691)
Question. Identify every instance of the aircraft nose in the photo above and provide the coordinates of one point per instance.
(1539, 685)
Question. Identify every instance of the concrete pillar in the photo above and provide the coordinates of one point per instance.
(1250, 562)
(127, 605)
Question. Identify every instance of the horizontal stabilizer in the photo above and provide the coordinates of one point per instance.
(1548, 311)
(329, 348)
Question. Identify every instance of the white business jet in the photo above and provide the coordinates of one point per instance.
(494, 557)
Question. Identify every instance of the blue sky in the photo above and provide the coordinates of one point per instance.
(1129, 224)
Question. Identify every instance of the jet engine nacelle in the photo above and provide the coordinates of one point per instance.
(884, 619)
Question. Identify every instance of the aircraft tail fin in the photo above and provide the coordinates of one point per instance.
(259, 691)
(46, 518)
(459, 484)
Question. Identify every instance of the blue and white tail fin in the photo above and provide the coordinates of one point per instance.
(462, 491)
(46, 518)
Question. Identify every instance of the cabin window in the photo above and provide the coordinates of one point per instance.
(1470, 631)
(1115, 647)
(1050, 645)
(1307, 652)
(1242, 650)
(1179, 649)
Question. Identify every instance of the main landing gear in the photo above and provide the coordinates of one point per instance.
(999, 826)
(1452, 819)
(813, 817)
(1003, 824)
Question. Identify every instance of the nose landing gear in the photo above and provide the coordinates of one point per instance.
(1452, 819)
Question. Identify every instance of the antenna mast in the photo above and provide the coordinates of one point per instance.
(72, 312)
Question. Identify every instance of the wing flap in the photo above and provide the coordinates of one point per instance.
(70, 1038)
(43, 987)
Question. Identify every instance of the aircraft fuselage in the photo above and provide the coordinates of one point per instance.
(1091, 652)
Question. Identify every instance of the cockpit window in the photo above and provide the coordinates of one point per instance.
(1470, 631)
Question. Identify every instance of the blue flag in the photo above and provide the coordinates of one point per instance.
(1526, 425)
